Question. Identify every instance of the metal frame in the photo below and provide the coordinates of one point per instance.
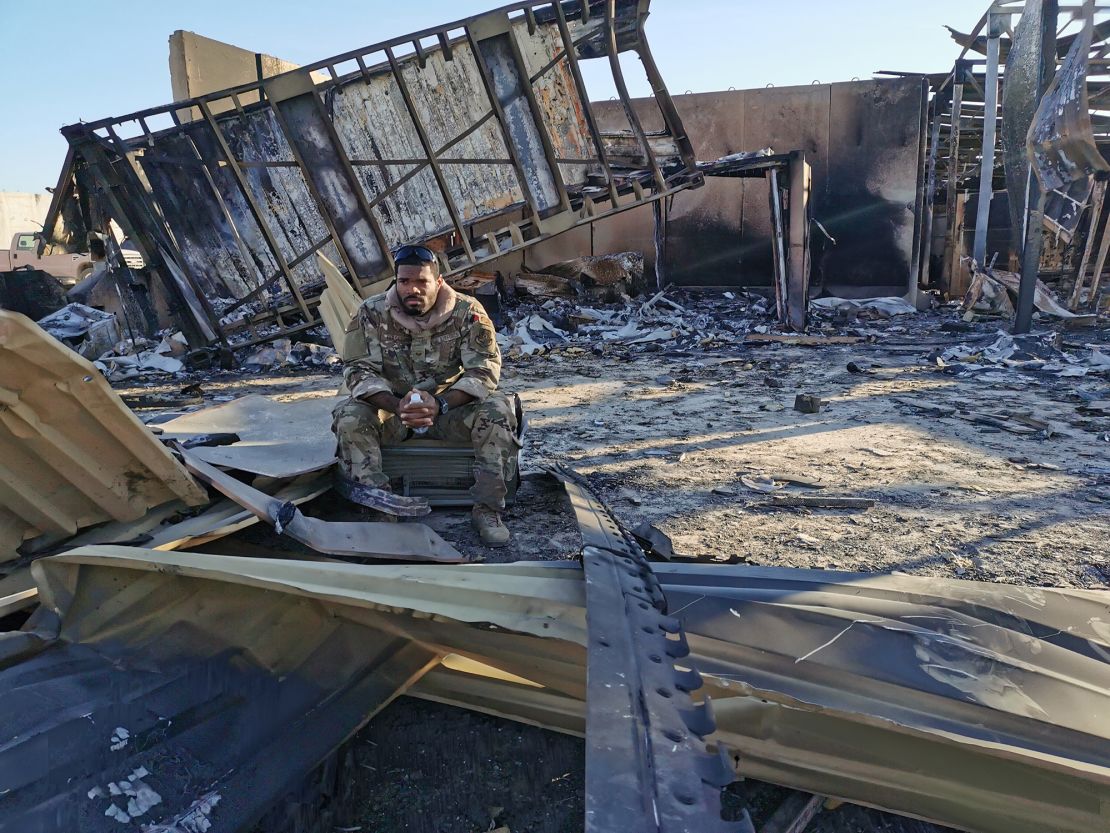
(791, 213)
(650, 770)
(351, 215)
(989, 50)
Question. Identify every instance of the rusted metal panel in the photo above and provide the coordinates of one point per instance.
(403, 141)
(71, 453)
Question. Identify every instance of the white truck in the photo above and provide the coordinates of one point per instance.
(69, 269)
(24, 253)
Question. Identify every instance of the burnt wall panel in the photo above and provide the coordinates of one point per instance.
(306, 128)
(338, 157)
(862, 139)
(373, 123)
(197, 222)
(278, 188)
(783, 119)
(561, 108)
(524, 133)
(234, 201)
(870, 194)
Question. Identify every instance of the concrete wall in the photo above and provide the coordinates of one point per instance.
(865, 142)
(200, 65)
(21, 212)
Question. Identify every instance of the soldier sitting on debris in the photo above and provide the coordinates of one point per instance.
(431, 363)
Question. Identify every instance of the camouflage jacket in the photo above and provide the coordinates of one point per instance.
(459, 352)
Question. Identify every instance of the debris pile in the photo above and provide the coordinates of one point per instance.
(88, 331)
(1040, 352)
(995, 292)
(603, 278)
(652, 325)
(284, 353)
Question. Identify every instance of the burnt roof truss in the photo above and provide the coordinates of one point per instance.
(477, 134)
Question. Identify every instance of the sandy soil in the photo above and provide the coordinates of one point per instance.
(668, 441)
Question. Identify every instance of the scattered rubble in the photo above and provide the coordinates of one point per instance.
(604, 278)
(90, 332)
(994, 292)
(284, 353)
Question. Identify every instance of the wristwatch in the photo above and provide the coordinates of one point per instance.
(443, 406)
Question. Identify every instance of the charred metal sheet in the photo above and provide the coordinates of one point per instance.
(277, 438)
(71, 453)
(867, 171)
(1061, 143)
(158, 715)
(647, 765)
(401, 542)
(1020, 95)
(975, 705)
(405, 140)
(1002, 688)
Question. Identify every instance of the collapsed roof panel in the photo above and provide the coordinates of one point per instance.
(481, 121)
(71, 453)
(982, 713)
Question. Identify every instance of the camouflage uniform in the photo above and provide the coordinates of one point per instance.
(459, 353)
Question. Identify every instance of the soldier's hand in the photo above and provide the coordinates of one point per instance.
(420, 414)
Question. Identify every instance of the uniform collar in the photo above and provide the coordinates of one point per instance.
(440, 312)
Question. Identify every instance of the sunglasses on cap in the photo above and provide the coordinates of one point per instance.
(419, 252)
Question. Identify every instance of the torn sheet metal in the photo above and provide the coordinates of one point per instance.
(1061, 142)
(71, 453)
(975, 705)
(227, 516)
(1020, 95)
(278, 436)
(985, 711)
(358, 539)
(162, 714)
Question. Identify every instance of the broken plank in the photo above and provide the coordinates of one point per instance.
(822, 502)
(800, 341)
(794, 814)
(17, 592)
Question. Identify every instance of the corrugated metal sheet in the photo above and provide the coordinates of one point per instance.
(71, 453)
(981, 706)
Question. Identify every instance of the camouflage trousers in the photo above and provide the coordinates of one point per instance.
(490, 426)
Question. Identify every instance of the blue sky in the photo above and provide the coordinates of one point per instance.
(89, 61)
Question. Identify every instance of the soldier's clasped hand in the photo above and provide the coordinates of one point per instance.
(420, 414)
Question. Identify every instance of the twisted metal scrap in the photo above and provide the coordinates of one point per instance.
(647, 764)
(1061, 142)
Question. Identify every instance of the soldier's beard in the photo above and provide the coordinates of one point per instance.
(415, 305)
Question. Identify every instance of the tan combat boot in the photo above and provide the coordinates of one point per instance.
(487, 523)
